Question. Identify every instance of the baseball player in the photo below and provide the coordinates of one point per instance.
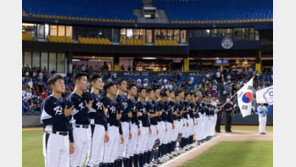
(262, 110)
(133, 159)
(144, 127)
(157, 107)
(113, 126)
(203, 108)
(214, 119)
(178, 112)
(196, 118)
(191, 119)
(169, 107)
(125, 114)
(175, 133)
(80, 120)
(161, 126)
(210, 118)
(185, 133)
(99, 129)
(58, 139)
(152, 114)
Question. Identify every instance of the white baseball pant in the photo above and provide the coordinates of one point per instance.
(162, 132)
(142, 139)
(167, 137)
(82, 138)
(262, 123)
(56, 150)
(111, 147)
(132, 143)
(151, 138)
(95, 154)
(122, 147)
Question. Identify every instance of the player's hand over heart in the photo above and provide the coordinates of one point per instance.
(68, 111)
(88, 105)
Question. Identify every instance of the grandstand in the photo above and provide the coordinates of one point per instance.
(181, 35)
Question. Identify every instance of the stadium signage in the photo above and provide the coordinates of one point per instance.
(227, 42)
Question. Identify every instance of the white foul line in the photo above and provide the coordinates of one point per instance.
(188, 152)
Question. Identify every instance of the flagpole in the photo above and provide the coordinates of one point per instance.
(235, 93)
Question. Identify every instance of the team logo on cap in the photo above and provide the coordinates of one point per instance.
(247, 97)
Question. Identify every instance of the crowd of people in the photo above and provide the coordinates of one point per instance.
(115, 121)
(130, 125)
(208, 81)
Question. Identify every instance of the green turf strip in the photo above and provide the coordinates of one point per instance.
(250, 128)
(32, 149)
(236, 154)
(32, 146)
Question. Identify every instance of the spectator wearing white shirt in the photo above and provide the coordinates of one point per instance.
(30, 83)
(218, 74)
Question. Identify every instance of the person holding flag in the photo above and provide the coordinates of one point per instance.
(262, 112)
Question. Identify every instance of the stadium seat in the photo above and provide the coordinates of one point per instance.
(185, 10)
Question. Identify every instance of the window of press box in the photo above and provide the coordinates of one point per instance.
(177, 35)
(30, 29)
(115, 35)
(183, 36)
(129, 33)
(142, 34)
(221, 32)
(40, 31)
(122, 33)
(149, 36)
(60, 30)
(170, 34)
(200, 33)
(239, 33)
(160, 34)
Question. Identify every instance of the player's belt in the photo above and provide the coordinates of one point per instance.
(81, 126)
(63, 133)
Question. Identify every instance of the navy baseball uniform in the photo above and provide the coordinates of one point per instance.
(95, 156)
(58, 133)
(81, 130)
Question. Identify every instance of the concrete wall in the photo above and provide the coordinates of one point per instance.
(248, 120)
(31, 120)
(34, 120)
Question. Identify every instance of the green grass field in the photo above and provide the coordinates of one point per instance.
(250, 128)
(33, 156)
(32, 149)
(236, 154)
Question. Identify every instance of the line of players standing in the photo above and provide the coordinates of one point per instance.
(122, 127)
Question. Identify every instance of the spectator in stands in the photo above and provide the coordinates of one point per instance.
(25, 105)
(30, 83)
(38, 106)
(32, 106)
(43, 94)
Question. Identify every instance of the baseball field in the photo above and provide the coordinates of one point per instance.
(243, 148)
